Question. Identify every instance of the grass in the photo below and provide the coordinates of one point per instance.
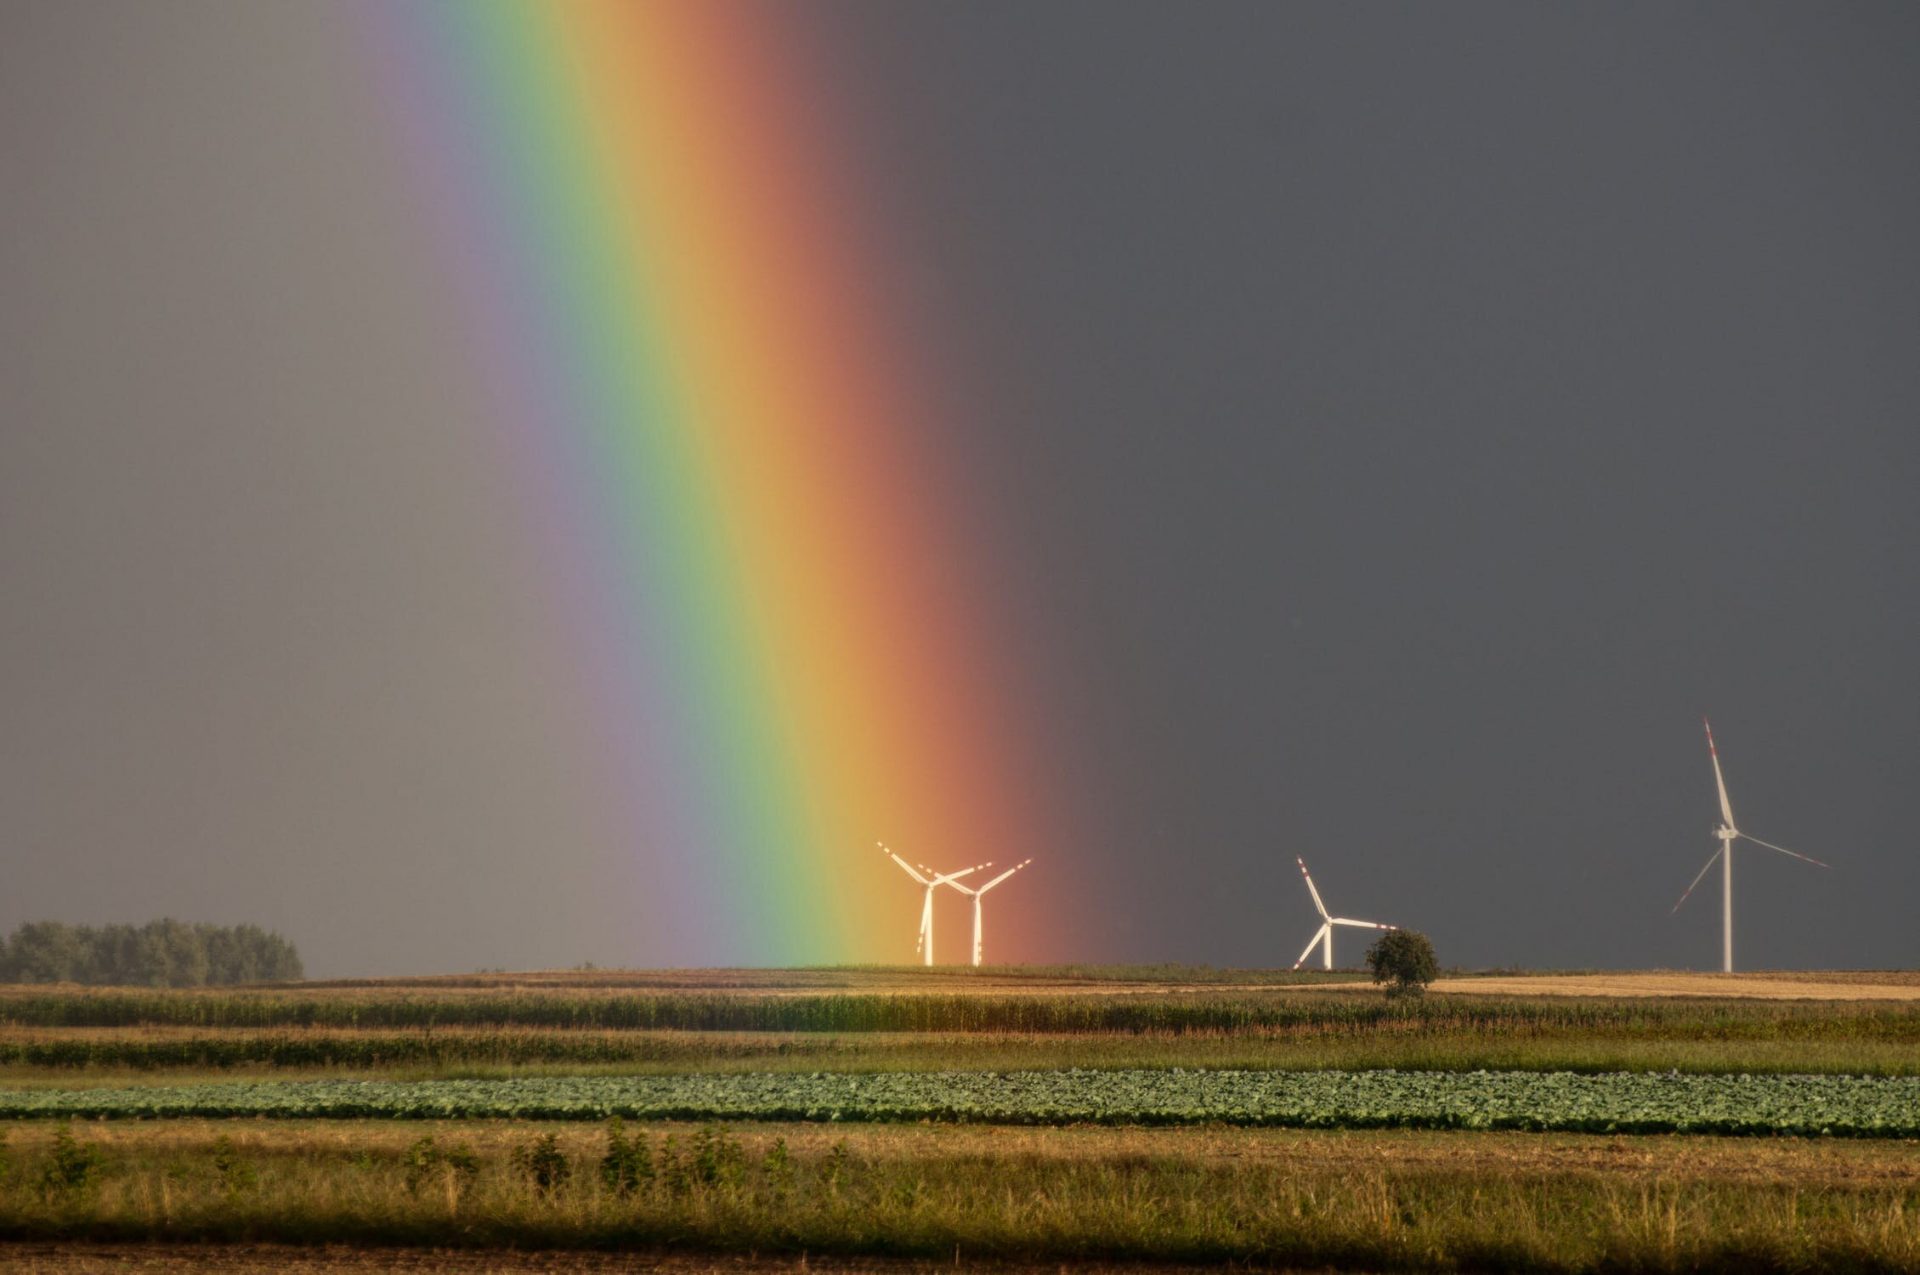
(1384, 1201)
(551, 1033)
(1324, 1008)
(67, 1061)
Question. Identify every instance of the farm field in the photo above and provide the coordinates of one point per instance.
(1881, 1045)
(1160, 1116)
(1308, 1198)
(1626, 1102)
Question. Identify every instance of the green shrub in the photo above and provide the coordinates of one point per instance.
(236, 1175)
(718, 1159)
(674, 1172)
(543, 1164)
(834, 1170)
(427, 1162)
(1405, 960)
(70, 1168)
(628, 1163)
(777, 1167)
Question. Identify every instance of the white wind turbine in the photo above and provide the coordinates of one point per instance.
(1323, 937)
(976, 900)
(932, 880)
(1728, 834)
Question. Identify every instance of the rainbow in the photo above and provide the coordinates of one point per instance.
(779, 644)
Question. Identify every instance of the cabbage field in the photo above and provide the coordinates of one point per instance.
(1851, 1106)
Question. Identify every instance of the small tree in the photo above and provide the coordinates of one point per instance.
(1404, 959)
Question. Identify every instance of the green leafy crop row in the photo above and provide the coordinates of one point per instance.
(1614, 1102)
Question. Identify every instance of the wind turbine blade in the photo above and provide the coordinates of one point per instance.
(997, 880)
(905, 866)
(948, 878)
(1783, 850)
(1703, 872)
(1362, 925)
(1310, 890)
(1312, 943)
(1726, 807)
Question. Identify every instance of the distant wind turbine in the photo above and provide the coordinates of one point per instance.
(976, 893)
(1728, 834)
(933, 881)
(1323, 937)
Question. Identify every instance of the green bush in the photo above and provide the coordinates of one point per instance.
(628, 1163)
(542, 1163)
(718, 1160)
(1405, 960)
(427, 1162)
(778, 1169)
(236, 1175)
(70, 1168)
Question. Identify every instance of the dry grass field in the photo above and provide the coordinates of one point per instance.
(885, 1197)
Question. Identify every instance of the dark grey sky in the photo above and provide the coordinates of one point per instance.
(1401, 422)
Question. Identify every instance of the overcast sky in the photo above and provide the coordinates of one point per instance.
(1400, 423)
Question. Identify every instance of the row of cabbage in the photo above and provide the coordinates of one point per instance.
(1856, 1106)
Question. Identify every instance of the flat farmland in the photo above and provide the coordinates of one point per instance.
(1016, 1118)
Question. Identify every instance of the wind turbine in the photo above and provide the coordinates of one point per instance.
(1728, 834)
(1323, 937)
(932, 880)
(976, 900)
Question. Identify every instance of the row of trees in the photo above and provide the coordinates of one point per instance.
(164, 953)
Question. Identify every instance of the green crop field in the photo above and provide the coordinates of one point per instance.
(1065, 1115)
(1843, 1106)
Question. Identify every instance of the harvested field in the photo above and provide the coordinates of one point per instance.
(1842, 985)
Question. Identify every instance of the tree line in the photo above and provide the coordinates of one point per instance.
(163, 953)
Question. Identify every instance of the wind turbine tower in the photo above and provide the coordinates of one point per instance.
(1323, 937)
(1728, 834)
(933, 881)
(976, 893)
